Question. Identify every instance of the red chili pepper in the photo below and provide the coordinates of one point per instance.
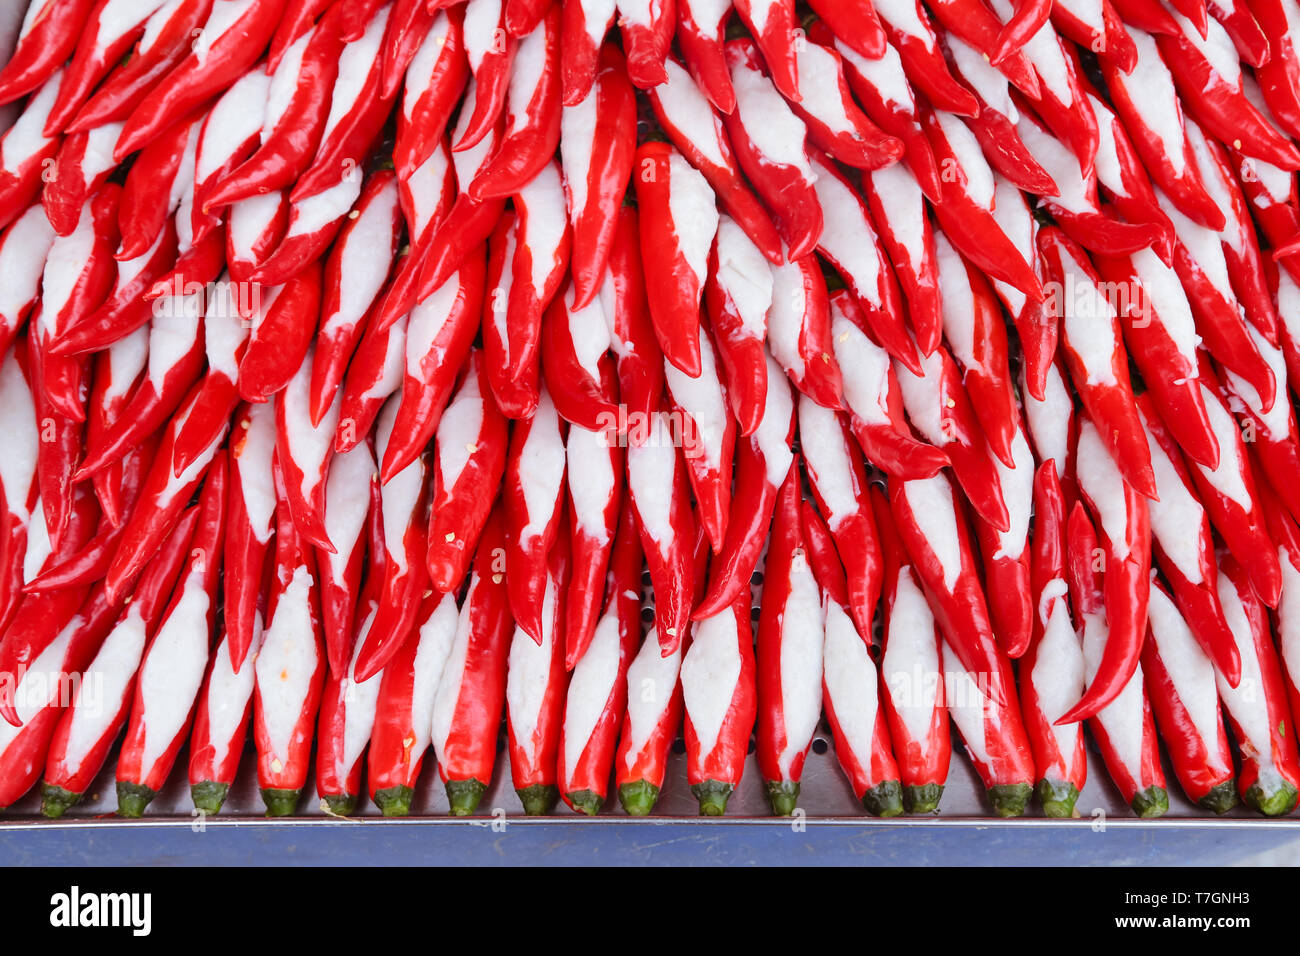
(1257, 709)
(41, 691)
(434, 84)
(1006, 554)
(932, 526)
(532, 116)
(1181, 688)
(677, 224)
(256, 228)
(404, 709)
(835, 122)
(737, 298)
(1052, 670)
(1096, 357)
(1101, 30)
(48, 35)
(1150, 109)
(289, 669)
(171, 671)
(1126, 540)
(438, 338)
(164, 496)
(632, 336)
(597, 161)
(837, 477)
(763, 461)
(82, 165)
(965, 212)
(660, 492)
(770, 145)
(311, 227)
(467, 706)
(281, 335)
(776, 33)
(577, 368)
(1161, 339)
(1228, 494)
(646, 27)
(1123, 730)
(296, 23)
(790, 628)
(911, 678)
(941, 411)
(1277, 65)
(1211, 87)
(355, 272)
(597, 698)
(910, 31)
(168, 38)
(27, 156)
(229, 135)
(1186, 557)
(536, 682)
(1053, 426)
(799, 332)
(701, 405)
(374, 375)
(234, 35)
(19, 489)
(595, 501)
(56, 454)
(467, 464)
(1146, 15)
(701, 29)
(406, 31)
(654, 707)
(88, 728)
(24, 247)
(303, 452)
(491, 51)
(158, 180)
(700, 133)
(340, 570)
(404, 501)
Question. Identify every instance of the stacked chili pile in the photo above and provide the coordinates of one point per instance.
(359, 356)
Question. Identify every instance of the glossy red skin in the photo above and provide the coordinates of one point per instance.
(1073, 123)
(149, 600)
(1047, 555)
(232, 155)
(725, 762)
(609, 166)
(280, 341)
(362, 398)
(421, 125)
(787, 539)
(467, 225)
(855, 22)
(978, 26)
(1111, 407)
(988, 380)
(1244, 532)
(205, 564)
(1281, 723)
(145, 195)
(961, 611)
(1223, 109)
(459, 512)
(127, 473)
(618, 587)
(526, 560)
(161, 502)
(972, 228)
(747, 526)
(122, 91)
(711, 486)
(856, 539)
(57, 454)
(704, 57)
(776, 41)
(1186, 190)
(735, 195)
(242, 265)
(289, 771)
(640, 363)
(648, 46)
(579, 397)
(1125, 588)
(742, 354)
(788, 194)
(1172, 382)
(408, 25)
(195, 266)
(52, 38)
(1007, 584)
(1279, 72)
(340, 590)
(1239, 22)
(821, 379)
(1189, 752)
(623, 599)
(1007, 153)
(1116, 44)
(70, 185)
(1198, 603)
(469, 752)
(867, 146)
(21, 186)
(245, 559)
(192, 82)
(589, 563)
(672, 287)
(491, 80)
(542, 769)
(1029, 17)
(918, 280)
(530, 141)
(90, 63)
